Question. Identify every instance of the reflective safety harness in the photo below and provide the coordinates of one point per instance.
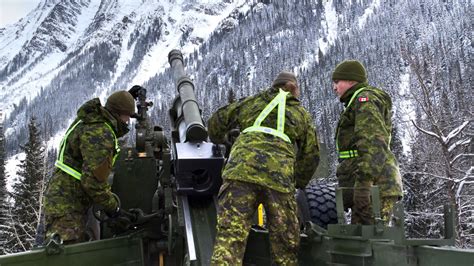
(279, 100)
(68, 169)
(350, 153)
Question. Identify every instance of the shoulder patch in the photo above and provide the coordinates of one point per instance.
(102, 171)
(363, 99)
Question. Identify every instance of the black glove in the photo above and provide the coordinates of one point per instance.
(120, 223)
(134, 91)
(139, 216)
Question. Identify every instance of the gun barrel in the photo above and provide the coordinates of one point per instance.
(189, 108)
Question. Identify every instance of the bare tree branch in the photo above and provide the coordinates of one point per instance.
(455, 132)
(427, 132)
(17, 236)
(460, 156)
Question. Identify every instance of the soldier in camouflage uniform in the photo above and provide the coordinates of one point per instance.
(276, 150)
(363, 144)
(85, 160)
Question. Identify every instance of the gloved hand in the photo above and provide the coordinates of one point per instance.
(139, 216)
(125, 220)
(102, 214)
(120, 223)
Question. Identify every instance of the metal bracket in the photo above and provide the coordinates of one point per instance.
(375, 195)
(54, 245)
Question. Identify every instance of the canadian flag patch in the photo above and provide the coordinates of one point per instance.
(363, 99)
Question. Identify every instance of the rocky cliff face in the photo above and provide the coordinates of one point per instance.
(65, 52)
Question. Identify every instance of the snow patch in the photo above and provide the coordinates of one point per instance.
(183, 17)
(367, 13)
(14, 37)
(11, 167)
(38, 77)
(406, 112)
(329, 27)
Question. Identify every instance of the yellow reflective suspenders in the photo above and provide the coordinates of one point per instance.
(117, 147)
(68, 169)
(279, 100)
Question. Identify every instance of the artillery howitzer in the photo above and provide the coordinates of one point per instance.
(172, 187)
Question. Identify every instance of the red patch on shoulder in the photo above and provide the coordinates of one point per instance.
(363, 99)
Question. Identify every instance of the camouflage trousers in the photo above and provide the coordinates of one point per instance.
(238, 202)
(72, 228)
(358, 199)
(362, 206)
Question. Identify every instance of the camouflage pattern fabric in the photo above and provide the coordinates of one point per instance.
(262, 168)
(262, 158)
(362, 208)
(90, 148)
(366, 127)
(386, 208)
(238, 202)
(71, 227)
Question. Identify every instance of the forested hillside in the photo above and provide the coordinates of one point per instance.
(420, 52)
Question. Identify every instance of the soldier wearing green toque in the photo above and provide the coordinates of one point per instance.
(85, 159)
(363, 137)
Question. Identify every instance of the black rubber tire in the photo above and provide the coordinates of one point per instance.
(318, 204)
(303, 208)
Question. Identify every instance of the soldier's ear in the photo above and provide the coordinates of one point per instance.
(292, 87)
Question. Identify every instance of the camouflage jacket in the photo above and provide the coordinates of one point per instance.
(262, 158)
(365, 127)
(90, 148)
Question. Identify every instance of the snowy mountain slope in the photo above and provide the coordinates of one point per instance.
(103, 45)
(15, 36)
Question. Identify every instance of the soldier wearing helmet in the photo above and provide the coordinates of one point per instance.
(363, 144)
(276, 152)
(85, 159)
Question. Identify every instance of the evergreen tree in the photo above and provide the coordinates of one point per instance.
(27, 191)
(5, 222)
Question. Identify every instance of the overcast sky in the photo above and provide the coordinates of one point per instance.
(12, 10)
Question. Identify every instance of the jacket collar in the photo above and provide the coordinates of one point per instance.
(272, 92)
(93, 112)
(348, 95)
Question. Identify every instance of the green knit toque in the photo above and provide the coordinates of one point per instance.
(350, 70)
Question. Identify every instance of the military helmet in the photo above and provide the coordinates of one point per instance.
(350, 70)
(121, 103)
